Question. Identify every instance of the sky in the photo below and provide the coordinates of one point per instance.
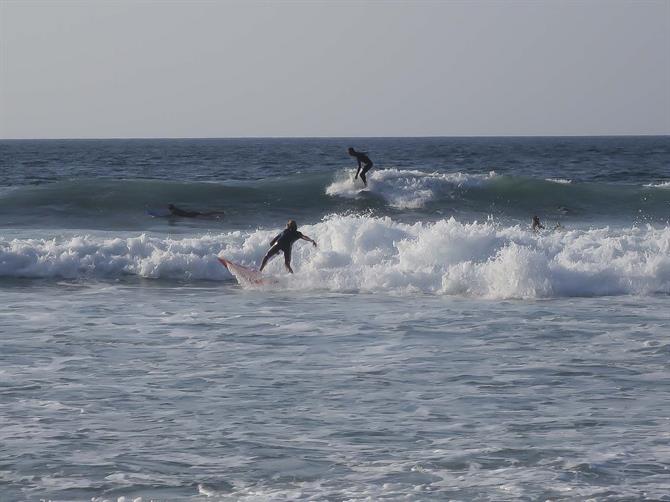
(166, 69)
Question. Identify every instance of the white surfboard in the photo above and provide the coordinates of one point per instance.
(245, 276)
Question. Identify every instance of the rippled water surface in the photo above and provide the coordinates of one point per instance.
(431, 347)
(194, 392)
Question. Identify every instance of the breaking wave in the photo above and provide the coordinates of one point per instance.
(407, 189)
(369, 254)
(665, 184)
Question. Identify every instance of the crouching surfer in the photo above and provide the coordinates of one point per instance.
(283, 242)
(364, 164)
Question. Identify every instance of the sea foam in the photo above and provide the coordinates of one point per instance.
(663, 184)
(367, 254)
(405, 189)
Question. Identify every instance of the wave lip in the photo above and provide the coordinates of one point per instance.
(663, 184)
(489, 261)
(406, 189)
(356, 253)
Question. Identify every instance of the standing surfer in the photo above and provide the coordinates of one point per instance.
(283, 242)
(363, 160)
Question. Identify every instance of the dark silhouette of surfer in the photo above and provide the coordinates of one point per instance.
(536, 224)
(364, 161)
(283, 242)
(183, 213)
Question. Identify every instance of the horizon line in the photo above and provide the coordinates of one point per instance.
(338, 137)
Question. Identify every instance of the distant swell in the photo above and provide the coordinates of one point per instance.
(379, 255)
(313, 196)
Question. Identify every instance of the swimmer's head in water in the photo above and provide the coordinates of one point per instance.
(351, 151)
(292, 225)
(170, 206)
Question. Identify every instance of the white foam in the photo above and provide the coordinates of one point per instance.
(559, 180)
(357, 253)
(405, 189)
(665, 184)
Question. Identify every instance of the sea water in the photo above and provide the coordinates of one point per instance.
(432, 347)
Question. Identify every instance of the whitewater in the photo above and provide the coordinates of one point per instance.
(367, 254)
(431, 347)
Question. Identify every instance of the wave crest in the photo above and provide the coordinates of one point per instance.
(406, 189)
(379, 255)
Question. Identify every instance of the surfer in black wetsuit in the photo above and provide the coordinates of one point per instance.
(363, 159)
(536, 224)
(283, 242)
(175, 211)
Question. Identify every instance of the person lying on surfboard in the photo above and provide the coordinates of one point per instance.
(283, 242)
(176, 211)
(363, 158)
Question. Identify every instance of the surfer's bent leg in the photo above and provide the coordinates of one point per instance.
(271, 252)
(287, 259)
(366, 168)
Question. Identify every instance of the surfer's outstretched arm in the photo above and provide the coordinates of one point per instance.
(305, 238)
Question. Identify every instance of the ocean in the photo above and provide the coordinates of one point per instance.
(432, 347)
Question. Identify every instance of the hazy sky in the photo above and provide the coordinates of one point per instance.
(95, 69)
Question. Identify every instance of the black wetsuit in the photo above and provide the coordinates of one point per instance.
(175, 211)
(283, 242)
(367, 164)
